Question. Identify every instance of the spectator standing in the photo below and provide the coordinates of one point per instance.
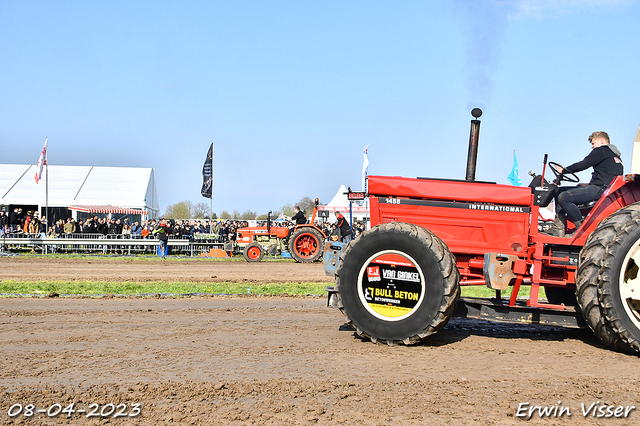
(178, 232)
(228, 247)
(343, 226)
(136, 230)
(103, 226)
(14, 220)
(58, 230)
(162, 232)
(34, 226)
(68, 227)
(215, 228)
(25, 224)
(42, 229)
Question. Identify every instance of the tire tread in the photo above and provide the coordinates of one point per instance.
(449, 269)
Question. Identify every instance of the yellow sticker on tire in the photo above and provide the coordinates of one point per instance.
(391, 285)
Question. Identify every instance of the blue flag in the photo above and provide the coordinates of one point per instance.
(513, 177)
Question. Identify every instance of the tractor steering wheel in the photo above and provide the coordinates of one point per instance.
(565, 175)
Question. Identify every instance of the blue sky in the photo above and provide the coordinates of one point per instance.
(292, 91)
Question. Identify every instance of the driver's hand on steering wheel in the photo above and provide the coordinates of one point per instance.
(559, 168)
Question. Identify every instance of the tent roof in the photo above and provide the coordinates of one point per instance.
(340, 203)
(108, 209)
(127, 187)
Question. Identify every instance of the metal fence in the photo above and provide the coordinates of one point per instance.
(105, 244)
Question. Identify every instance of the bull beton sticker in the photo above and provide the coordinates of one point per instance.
(391, 285)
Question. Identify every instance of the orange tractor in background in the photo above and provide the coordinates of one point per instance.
(303, 242)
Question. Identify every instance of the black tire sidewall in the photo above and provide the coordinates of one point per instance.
(423, 314)
(632, 239)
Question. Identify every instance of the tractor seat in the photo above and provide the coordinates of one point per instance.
(586, 207)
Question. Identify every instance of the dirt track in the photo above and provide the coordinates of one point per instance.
(129, 269)
(268, 360)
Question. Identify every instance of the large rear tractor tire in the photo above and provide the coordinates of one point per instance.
(619, 286)
(588, 278)
(253, 252)
(305, 244)
(397, 283)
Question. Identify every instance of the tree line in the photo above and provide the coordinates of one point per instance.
(189, 210)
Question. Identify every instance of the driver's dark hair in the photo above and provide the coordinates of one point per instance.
(596, 135)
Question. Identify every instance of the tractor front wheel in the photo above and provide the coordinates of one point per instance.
(253, 252)
(305, 244)
(397, 283)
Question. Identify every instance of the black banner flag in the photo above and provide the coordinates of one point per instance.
(207, 175)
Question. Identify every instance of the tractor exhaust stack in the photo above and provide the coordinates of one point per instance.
(472, 157)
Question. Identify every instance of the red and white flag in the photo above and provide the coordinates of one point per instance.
(42, 161)
(365, 169)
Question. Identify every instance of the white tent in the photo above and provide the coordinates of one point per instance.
(72, 186)
(340, 203)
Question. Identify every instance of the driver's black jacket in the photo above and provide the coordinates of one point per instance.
(606, 164)
(299, 218)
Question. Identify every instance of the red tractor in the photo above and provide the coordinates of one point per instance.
(304, 242)
(400, 281)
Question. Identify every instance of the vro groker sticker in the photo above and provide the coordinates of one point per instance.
(391, 285)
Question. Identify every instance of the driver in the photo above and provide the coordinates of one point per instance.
(606, 163)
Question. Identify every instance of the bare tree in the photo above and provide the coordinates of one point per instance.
(225, 215)
(181, 210)
(248, 215)
(306, 204)
(287, 210)
(200, 211)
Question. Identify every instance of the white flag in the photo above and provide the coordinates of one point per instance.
(365, 168)
(41, 162)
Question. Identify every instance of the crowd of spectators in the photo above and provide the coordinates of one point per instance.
(219, 231)
(31, 224)
(206, 231)
(16, 222)
(332, 230)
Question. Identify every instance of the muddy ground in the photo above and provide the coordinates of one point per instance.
(273, 360)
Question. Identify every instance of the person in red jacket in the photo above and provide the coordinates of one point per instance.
(162, 231)
(343, 226)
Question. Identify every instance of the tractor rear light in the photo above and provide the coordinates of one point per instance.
(630, 178)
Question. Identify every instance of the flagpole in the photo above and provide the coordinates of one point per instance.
(46, 208)
(212, 182)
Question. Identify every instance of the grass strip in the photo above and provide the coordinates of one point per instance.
(137, 287)
(133, 287)
(483, 291)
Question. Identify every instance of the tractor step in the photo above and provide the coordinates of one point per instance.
(500, 311)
